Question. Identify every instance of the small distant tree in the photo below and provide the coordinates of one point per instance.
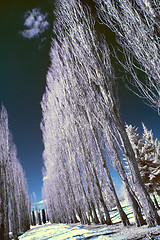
(33, 218)
(36, 208)
(39, 218)
(43, 216)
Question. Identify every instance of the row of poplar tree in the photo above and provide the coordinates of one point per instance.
(82, 130)
(14, 198)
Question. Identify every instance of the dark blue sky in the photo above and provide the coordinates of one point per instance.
(23, 67)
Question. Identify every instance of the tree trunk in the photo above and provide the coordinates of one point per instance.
(90, 212)
(95, 180)
(74, 217)
(92, 209)
(82, 215)
(26, 226)
(122, 214)
(152, 217)
(101, 216)
(33, 218)
(4, 221)
(43, 216)
(108, 218)
(39, 218)
(96, 220)
(14, 212)
(155, 201)
(97, 201)
(88, 187)
(135, 205)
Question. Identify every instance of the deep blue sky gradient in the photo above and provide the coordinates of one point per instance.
(23, 68)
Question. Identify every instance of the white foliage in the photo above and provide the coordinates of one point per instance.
(70, 147)
(146, 150)
(14, 192)
(136, 24)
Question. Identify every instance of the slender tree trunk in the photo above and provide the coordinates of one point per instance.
(82, 216)
(97, 201)
(85, 218)
(80, 177)
(155, 201)
(33, 218)
(135, 205)
(25, 219)
(14, 212)
(101, 216)
(94, 216)
(152, 217)
(96, 219)
(94, 177)
(4, 234)
(4, 205)
(43, 216)
(70, 188)
(94, 180)
(90, 212)
(122, 214)
(75, 220)
(39, 218)
(108, 218)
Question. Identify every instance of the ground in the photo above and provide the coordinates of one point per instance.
(131, 232)
(78, 231)
(116, 231)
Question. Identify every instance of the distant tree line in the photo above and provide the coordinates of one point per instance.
(41, 217)
(82, 129)
(14, 198)
(38, 216)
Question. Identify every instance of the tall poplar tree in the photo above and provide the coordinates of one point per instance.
(4, 161)
(69, 56)
(14, 205)
(93, 64)
(81, 88)
(137, 27)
